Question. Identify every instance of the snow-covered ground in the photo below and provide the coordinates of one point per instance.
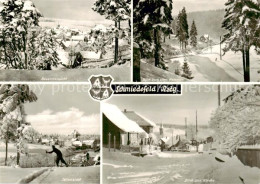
(150, 73)
(73, 24)
(232, 62)
(172, 167)
(120, 74)
(207, 66)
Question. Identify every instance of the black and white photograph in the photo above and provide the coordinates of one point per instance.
(209, 134)
(64, 40)
(49, 134)
(196, 41)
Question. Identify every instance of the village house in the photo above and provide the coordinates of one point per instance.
(69, 46)
(90, 55)
(142, 121)
(119, 129)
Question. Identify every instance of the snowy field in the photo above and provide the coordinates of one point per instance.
(169, 167)
(72, 24)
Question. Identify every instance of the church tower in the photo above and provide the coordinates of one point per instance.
(161, 130)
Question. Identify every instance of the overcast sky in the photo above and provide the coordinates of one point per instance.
(174, 109)
(63, 108)
(197, 5)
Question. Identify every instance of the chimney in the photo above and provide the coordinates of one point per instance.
(125, 110)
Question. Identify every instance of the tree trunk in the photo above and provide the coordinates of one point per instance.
(247, 77)
(156, 51)
(129, 23)
(25, 52)
(18, 147)
(244, 63)
(136, 65)
(6, 151)
(116, 47)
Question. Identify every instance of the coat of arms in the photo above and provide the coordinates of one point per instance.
(100, 87)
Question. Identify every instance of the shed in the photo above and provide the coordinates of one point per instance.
(118, 126)
(142, 121)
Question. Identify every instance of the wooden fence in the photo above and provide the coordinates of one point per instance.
(249, 156)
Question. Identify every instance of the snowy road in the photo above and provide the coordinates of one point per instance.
(210, 70)
(150, 169)
(170, 167)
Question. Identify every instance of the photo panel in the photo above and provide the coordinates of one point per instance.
(50, 133)
(209, 134)
(55, 40)
(196, 41)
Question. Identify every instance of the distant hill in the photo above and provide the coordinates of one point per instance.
(208, 22)
(181, 126)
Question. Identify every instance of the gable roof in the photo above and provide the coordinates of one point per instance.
(138, 118)
(68, 44)
(78, 38)
(115, 115)
(90, 54)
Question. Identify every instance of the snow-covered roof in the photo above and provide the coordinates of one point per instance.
(90, 54)
(121, 42)
(139, 119)
(100, 27)
(70, 43)
(116, 116)
(78, 38)
(88, 142)
(171, 141)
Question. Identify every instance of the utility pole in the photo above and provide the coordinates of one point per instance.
(220, 54)
(109, 139)
(196, 131)
(186, 127)
(172, 137)
(219, 102)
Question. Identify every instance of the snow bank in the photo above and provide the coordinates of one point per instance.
(175, 155)
(116, 116)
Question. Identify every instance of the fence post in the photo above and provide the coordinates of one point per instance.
(114, 143)
(220, 54)
(109, 138)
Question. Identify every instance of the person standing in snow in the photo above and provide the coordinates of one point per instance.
(59, 156)
(87, 156)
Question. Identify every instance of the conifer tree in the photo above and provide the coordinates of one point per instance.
(182, 29)
(193, 35)
(242, 22)
(19, 32)
(152, 20)
(117, 11)
(186, 72)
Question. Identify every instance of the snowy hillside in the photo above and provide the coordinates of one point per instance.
(232, 62)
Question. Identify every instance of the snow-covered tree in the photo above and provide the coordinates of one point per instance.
(30, 134)
(152, 20)
(7, 130)
(186, 72)
(19, 21)
(242, 22)
(117, 11)
(182, 28)
(237, 122)
(43, 50)
(12, 99)
(193, 35)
